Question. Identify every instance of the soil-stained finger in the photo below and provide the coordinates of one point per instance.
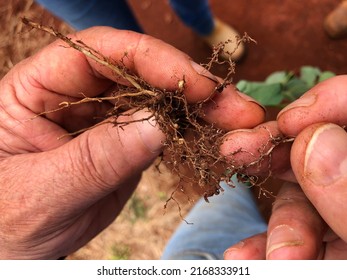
(231, 110)
(295, 228)
(325, 102)
(156, 62)
(252, 248)
(257, 151)
(319, 156)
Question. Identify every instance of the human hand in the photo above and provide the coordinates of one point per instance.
(308, 220)
(58, 193)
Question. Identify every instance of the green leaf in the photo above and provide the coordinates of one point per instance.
(277, 77)
(309, 75)
(295, 88)
(325, 75)
(246, 86)
(267, 94)
(242, 85)
(283, 85)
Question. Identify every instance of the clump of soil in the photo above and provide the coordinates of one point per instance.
(191, 147)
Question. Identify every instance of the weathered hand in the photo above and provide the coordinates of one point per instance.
(58, 193)
(250, 147)
(308, 219)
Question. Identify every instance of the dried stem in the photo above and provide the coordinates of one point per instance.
(86, 50)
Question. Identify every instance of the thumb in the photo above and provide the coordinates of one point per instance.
(90, 166)
(319, 161)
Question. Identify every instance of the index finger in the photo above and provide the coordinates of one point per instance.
(66, 73)
(61, 69)
(157, 63)
(326, 102)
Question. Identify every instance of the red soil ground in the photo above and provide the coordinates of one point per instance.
(289, 34)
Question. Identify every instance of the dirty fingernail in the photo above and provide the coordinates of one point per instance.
(203, 71)
(304, 101)
(326, 155)
(250, 99)
(280, 237)
(232, 252)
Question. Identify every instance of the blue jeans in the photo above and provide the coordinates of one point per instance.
(81, 14)
(229, 217)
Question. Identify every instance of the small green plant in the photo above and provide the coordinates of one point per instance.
(283, 87)
(137, 207)
(120, 252)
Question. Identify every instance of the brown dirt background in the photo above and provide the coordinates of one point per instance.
(289, 34)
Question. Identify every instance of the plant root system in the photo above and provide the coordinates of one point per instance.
(191, 148)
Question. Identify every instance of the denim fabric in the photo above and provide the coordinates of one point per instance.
(229, 217)
(195, 14)
(81, 14)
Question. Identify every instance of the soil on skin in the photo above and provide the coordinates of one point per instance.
(289, 34)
